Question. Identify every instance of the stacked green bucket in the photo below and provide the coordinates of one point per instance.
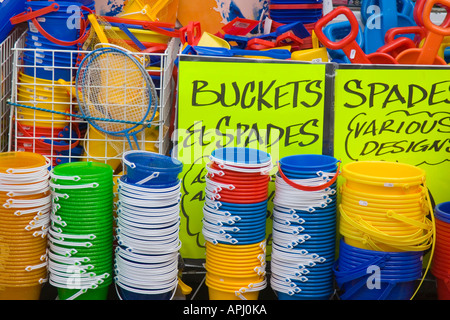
(81, 231)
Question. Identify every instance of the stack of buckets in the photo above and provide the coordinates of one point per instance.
(441, 258)
(307, 12)
(24, 216)
(81, 232)
(383, 213)
(56, 30)
(234, 223)
(44, 132)
(148, 220)
(304, 227)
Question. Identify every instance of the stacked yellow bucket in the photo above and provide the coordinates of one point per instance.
(41, 122)
(384, 207)
(25, 199)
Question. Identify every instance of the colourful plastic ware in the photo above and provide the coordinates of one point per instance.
(348, 44)
(428, 53)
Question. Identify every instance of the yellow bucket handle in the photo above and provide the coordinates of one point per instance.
(411, 241)
(405, 219)
(433, 224)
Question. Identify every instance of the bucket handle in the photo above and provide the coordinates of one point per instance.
(309, 188)
(83, 31)
(25, 16)
(419, 243)
(354, 288)
(32, 15)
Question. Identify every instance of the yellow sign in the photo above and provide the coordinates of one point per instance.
(396, 114)
(274, 107)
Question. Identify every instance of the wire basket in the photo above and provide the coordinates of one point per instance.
(6, 69)
(45, 118)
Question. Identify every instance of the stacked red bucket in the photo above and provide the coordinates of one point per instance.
(234, 223)
(441, 258)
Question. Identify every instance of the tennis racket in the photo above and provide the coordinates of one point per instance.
(115, 93)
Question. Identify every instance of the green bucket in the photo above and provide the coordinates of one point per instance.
(99, 293)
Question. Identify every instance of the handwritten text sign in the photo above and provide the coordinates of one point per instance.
(274, 107)
(396, 115)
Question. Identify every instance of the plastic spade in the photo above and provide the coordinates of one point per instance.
(338, 30)
(404, 7)
(378, 24)
(428, 53)
(348, 44)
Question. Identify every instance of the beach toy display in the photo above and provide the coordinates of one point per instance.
(304, 227)
(441, 262)
(234, 223)
(81, 231)
(25, 216)
(148, 221)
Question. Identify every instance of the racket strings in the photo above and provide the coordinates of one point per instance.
(115, 88)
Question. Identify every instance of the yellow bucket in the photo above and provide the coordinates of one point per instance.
(20, 160)
(383, 177)
(100, 147)
(218, 258)
(235, 291)
(31, 114)
(232, 278)
(362, 234)
(20, 291)
(33, 92)
(227, 249)
(369, 200)
(43, 84)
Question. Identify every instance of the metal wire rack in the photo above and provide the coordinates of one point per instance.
(6, 68)
(45, 118)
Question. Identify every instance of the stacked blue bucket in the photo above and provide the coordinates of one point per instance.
(148, 218)
(235, 209)
(376, 275)
(234, 222)
(304, 227)
(56, 31)
(288, 11)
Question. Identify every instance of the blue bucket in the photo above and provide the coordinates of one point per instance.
(142, 165)
(46, 72)
(321, 295)
(125, 179)
(8, 9)
(130, 295)
(226, 206)
(56, 27)
(38, 41)
(239, 155)
(442, 211)
(396, 279)
(309, 163)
